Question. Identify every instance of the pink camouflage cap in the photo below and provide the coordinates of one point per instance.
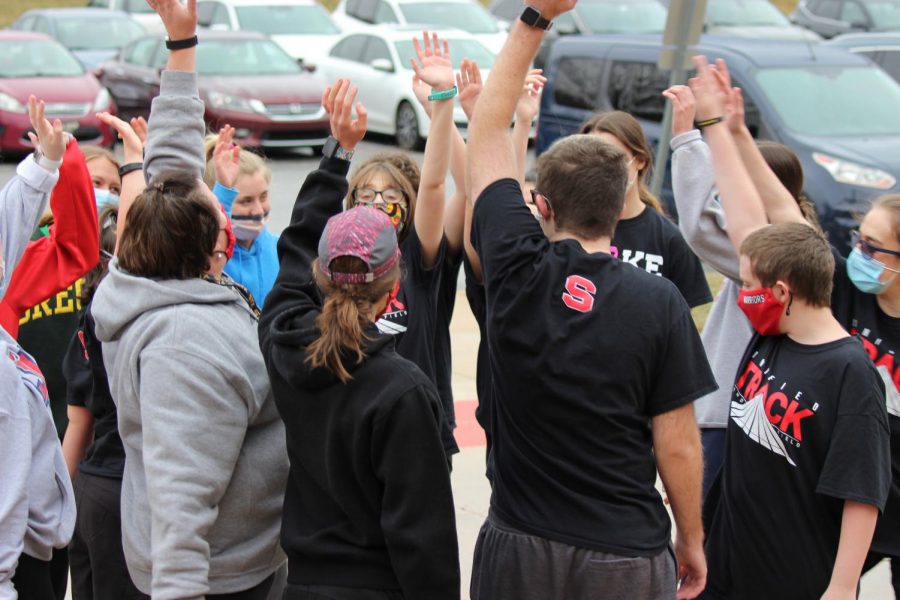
(365, 233)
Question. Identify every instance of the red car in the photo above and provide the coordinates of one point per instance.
(33, 63)
(245, 79)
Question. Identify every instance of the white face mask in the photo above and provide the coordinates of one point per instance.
(248, 227)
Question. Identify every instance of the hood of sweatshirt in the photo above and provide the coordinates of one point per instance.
(295, 329)
(121, 298)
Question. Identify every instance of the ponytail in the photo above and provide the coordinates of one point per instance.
(648, 198)
(344, 316)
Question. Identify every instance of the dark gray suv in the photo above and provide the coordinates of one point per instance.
(829, 18)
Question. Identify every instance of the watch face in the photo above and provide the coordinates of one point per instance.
(530, 15)
(331, 146)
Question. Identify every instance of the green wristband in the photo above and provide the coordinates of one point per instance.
(445, 95)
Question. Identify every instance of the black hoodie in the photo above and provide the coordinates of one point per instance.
(368, 502)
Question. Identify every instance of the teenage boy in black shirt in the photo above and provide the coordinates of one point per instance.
(586, 354)
(807, 462)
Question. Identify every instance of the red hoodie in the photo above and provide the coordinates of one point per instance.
(54, 262)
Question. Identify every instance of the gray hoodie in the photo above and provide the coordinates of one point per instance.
(37, 507)
(702, 223)
(206, 465)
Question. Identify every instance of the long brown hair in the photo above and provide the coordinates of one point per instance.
(627, 130)
(397, 168)
(786, 166)
(108, 218)
(343, 319)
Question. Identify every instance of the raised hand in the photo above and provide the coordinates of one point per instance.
(421, 90)
(226, 157)
(433, 66)
(134, 147)
(50, 138)
(180, 19)
(468, 81)
(337, 100)
(683, 108)
(710, 96)
(139, 124)
(530, 101)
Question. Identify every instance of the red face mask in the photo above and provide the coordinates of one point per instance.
(229, 233)
(762, 309)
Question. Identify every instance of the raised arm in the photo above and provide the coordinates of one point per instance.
(319, 199)
(490, 151)
(434, 69)
(526, 110)
(701, 217)
(226, 163)
(133, 182)
(743, 206)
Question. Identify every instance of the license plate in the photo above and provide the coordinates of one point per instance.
(70, 126)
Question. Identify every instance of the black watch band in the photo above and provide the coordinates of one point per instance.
(182, 44)
(130, 168)
(332, 149)
(532, 17)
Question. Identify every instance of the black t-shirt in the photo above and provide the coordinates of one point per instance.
(584, 351)
(443, 359)
(88, 386)
(411, 315)
(478, 306)
(860, 314)
(651, 242)
(807, 431)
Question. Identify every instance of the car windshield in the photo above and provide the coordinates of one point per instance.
(459, 15)
(885, 13)
(640, 16)
(459, 49)
(726, 13)
(286, 19)
(37, 58)
(243, 57)
(96, 34)
(833, 101)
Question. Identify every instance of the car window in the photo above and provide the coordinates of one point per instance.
(377, 48)
(828, 9)
(744, 12)
(244, 57)
(351, 7)
(885, 14)
(564, 24)
(384, 13)
(24, 24)
(637, 87)
(459, 50)
(41, 25)
(509, 10)
(852, 12)
(90, 33)
(286, 19)
(141, 52)
(856, 101)
(365, 10)
(467, 16)
(204, 13)
(350, 48)
(137, 6)
(220, 16)
(890, 62)
(612, 16)
(577, 83)
(37, 58)
(99, 3)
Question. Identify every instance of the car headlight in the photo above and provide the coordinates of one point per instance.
(101, 102)
(10, 104)
(225, 101)
(844, 171)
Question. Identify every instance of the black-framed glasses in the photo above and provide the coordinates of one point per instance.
(535, 194)
(867, 248)
(388, 196)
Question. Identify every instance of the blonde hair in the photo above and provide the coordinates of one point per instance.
(248, 162)
(343, 319)
(95, 152)
(890, 203)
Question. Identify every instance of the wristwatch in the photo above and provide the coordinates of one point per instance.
(532, 17)
(332, 149)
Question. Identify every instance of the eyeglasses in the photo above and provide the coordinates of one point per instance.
(367, 196)
(535, 194)
(867, 248)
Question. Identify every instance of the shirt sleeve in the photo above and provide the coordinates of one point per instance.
(858, 463)
(686, 271)
(505, 234)
(682, 372)
(76, 368)
(175, 128)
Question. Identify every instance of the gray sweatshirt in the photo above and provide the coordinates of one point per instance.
(206, 461)
(206, 465)
(37, 506)
(702, 222)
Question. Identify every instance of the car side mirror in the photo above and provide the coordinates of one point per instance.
(382, 64)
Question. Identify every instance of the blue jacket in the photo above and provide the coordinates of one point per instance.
(255, 267)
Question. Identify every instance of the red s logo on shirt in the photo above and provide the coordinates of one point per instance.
(579, 293)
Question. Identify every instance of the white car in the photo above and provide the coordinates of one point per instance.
(467, 15)
(378, 61)
(303, 28)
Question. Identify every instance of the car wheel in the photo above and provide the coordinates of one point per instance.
(408, 127)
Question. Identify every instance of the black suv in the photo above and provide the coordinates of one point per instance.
(829, 18)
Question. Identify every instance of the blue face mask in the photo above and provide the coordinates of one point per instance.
(104, 197)
(865, 272)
